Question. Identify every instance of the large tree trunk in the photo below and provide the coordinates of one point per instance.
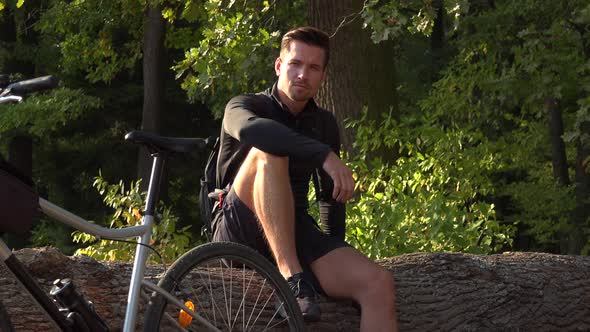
(360, 73)
(437, 41)
(558, 157)
(559, 160)
(477, 6)
(435, 292)
(581, 214)
(578, 238)
(153, 85)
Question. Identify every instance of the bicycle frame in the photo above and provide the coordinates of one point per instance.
(142, 231)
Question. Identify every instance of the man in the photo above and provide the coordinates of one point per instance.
(272, 143)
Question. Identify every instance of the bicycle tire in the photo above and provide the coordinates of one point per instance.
(5, 324)
(220, 262)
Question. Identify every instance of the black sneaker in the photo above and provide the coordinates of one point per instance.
(306, 296)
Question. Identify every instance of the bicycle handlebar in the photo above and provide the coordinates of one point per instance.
(28, 86)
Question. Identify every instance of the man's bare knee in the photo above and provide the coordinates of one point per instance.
(258, 165)
(379, 287)
(257, 160)
(264, 159)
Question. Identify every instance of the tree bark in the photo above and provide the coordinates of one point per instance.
(578, 238)
(434, 292)
(559, 160)
(437, 41)
(153, 80)
(477, 6)
(582, 178)
(360, 73)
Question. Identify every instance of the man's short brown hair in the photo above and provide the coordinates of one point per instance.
(309, 35)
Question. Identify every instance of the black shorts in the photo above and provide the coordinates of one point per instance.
(239, 224)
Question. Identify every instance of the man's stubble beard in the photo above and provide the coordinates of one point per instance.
(299, 96)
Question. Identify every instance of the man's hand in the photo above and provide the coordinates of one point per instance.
(341, 176)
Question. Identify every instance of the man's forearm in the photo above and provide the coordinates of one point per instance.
(272, 136)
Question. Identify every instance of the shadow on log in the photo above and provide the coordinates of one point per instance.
(435, 292)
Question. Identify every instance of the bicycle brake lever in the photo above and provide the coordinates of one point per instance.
(10, 99)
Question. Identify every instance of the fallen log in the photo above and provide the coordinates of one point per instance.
(435, 292)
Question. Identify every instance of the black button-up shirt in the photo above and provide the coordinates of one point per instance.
(262, 121)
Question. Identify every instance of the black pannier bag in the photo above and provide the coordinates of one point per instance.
(19, 201)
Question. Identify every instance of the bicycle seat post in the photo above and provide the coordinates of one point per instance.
(141, 254)
(153, 192)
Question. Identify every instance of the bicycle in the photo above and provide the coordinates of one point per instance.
(219, 286)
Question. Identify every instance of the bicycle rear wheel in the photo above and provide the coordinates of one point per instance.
(231, 286)
(5, 324)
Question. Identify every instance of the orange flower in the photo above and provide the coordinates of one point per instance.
(136, 213)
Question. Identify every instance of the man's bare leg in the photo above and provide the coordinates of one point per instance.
(346, 273)
(263, 184)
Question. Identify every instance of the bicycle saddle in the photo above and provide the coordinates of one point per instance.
(157, 143)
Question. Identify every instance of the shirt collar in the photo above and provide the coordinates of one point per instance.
(274, 93)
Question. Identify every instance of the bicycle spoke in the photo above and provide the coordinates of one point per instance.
(224, 292)
(214, 304)
(229, 318)
(244, 296)
(257, 309)
(243, 302)
(266, 328)
(237, 276)
(265, 303)
(214, 300)
(174, 322)
(199, 303)
(254, 307)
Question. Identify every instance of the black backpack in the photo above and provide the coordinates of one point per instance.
(209, 195)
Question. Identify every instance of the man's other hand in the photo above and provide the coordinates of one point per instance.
(341, 176)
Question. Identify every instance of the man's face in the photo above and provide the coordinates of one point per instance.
(300, 71)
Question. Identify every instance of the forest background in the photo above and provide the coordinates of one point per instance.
(466, 122)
